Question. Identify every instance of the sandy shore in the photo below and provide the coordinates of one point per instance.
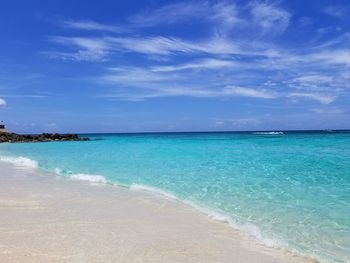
(44, 218)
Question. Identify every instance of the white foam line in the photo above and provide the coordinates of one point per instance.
(89, 177)
(140, 187)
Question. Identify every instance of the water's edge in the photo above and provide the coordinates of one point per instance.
(252, 232)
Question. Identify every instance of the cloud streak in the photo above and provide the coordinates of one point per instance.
(200, 64)
(90, 25)
(322, 98)
(2, 102)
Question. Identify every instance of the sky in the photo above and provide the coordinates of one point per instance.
(151, 66)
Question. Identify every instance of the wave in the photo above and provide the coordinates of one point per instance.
(20, 162)
(89, 177)
(269, 133)
(26, 163)
(92, 178)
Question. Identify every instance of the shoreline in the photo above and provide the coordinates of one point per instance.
(46, 218)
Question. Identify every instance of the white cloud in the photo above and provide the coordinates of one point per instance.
(336, 11)
(340, 56)
(170, 14)
(341, 41)
(249, 92)
(328, 111)
(225, 15)
(95, 49)
(80, 55)
(89, 49)
(152, 45)
(322, 98)
(91, 25)
(200, 64)
(269, 17)
(135, 77)
(24, 96)
(170, 45)
(83, 42)
(222, 14)
(2, 102)
(148, 84)
(314, 78)
(312, 82)
(188, 91)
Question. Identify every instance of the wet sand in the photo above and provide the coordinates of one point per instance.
(46, 218)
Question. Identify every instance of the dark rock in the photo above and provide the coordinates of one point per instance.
(45, 137)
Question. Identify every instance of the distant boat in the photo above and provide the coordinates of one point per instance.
(328, 130)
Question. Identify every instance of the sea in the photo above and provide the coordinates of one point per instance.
(285, 189)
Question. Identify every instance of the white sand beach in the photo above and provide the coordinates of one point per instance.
(45, 218)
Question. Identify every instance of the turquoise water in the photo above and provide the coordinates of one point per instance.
(290, 190)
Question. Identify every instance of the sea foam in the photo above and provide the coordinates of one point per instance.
(153, 190)
(89, 177)
(20, 162)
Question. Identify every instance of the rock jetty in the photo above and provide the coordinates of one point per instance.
(45, 137)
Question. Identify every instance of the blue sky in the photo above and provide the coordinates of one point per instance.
(135, 66)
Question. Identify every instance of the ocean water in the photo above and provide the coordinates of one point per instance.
(288, 189)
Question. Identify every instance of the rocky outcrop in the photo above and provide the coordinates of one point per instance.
(45, 137)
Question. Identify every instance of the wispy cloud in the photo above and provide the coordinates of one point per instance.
(337, 57)
(199, 64)
(150, 83)
(337, 11)
(195, 92)
(89, 49)
(2, 102)
(239, 52)
(249, 92)
(222, 14)
(270, 17)
(170, 45)
(333, 110)
(169, 14)
(131, 76)
(312, 82)
(92, 26)
(322, 98)
(96, 49)
(23, 96)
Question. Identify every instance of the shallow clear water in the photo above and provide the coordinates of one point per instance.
(290, 190)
